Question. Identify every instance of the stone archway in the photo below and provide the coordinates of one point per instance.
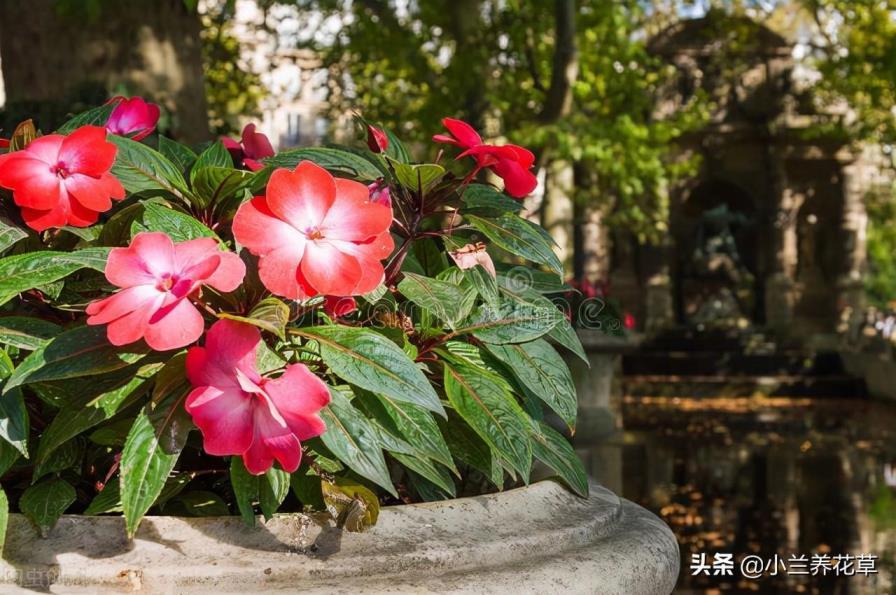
(716, 255)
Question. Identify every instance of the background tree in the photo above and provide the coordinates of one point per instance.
(60, 56)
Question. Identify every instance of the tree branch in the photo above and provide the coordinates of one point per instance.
(565, 63)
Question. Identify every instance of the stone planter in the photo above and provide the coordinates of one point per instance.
(538, 539)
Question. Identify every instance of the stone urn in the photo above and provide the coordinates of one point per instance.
(537, 539)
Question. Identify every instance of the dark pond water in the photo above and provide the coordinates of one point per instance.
(764, 477)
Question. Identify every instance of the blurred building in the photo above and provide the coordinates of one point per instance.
(771, 232)
(294, 110)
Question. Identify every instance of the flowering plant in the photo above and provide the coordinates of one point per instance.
(331, 320)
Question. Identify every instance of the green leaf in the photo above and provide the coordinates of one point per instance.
(428, 469)
(81, 351)
(518, 236)
(45, 502)
(216, 155)
(177, 153)
(216, 185)
(466, 445)
(511, 322)
(415, 424)
(140, 168)
(68, 424)
(108, 500)
(352, 438)
(97, 116)
(270, 314)
(179, 226)
(373, 362)
(4, 518)
(352, 506)
(15, 425)
(21, 272)
(417, 177)
(337, 161)
(542, 371)
(272, 491)
(565, 335)
(8, 456)
(549, 446)
(488, 198)
(484, 402)
(27, 333)
(10, 233)
(68, 456)
(150, 453)
(245, 489)
(396, 149)
(443, 299)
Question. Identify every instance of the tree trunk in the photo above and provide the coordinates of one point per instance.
(57, 58)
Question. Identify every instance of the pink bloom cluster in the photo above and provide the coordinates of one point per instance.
(252, 147)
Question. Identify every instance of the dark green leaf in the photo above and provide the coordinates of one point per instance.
(352, 438)
(10, 233)
(428, 469)
(97, 116)
(150, 453)
(518, 236)
(14, 422)
(67, 456)
(245, 489)
(181, 155)
(214, 156)
(203, 503)
(466, 445)
(373, 362)
(417, 177)
(216, 185)
(511, 322)
(27, 333)
(21, 272)
(68, 424)
(483, 197)
(8, 456)
(179, 226)
(81, 351)
(140, 168)
(445, 300)
(542, 371)
(414, 424)
(483, 401)
(45, 502)
(272, 491)
(337, 161)
(554, 450)
(108, 500)
(269, 314)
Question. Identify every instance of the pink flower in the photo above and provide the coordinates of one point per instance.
(379, 193)
(337, 307)
(471, 255)
(628, 321)
(62, 180)
(156, 277)
(377, 140)
(241, 413)
(252, 147)
(315, 234)
(132, 117)
(510, 162)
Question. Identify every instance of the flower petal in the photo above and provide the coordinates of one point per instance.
(330, 271)
(353, 216)
(224, 417)
(301, 197)
(86, 151)
(465, 134)
(173, 326)
(33, 184)
(260, 230)
(272, 440)
(279, 270)
(298, 395)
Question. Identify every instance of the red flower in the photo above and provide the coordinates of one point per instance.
(510, 162)
(156, 277)
(132, 117)
(315, 234)
(241, 413)
(377, 140)
(4, 143)
(62, 180)
(628, 321)
(252, 147)
(337, 307)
